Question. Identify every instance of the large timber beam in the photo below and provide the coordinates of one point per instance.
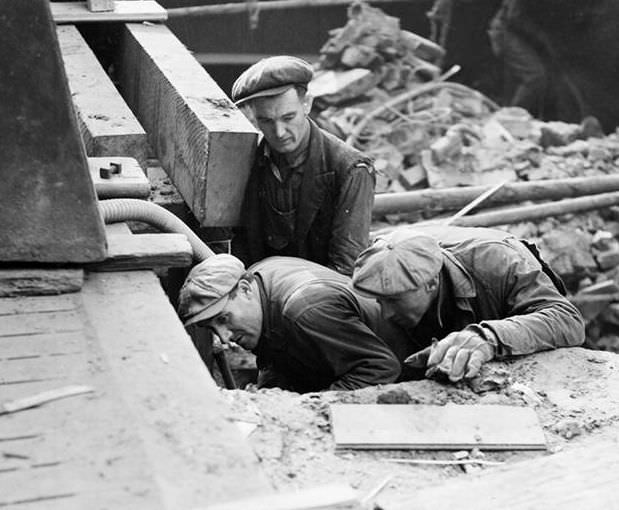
(48, 210)
(203, 141)
(107, 125)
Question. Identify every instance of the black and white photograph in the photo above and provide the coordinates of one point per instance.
(309, 254)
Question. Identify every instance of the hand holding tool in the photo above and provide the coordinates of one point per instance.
(459, 355)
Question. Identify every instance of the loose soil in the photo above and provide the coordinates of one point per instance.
(575, 393)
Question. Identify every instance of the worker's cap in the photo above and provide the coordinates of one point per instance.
(270, 77)
(402, 261)
(207, 286)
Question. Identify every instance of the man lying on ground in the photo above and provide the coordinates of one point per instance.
(309, 330)
(467, 296)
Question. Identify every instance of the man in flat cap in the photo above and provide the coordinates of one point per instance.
(309, 330)
(467, 296)
(309, 195)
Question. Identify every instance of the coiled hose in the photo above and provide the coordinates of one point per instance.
(130, 209)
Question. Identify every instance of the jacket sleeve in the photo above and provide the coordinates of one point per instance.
(537, 316)
(334, 339)
(353, 214)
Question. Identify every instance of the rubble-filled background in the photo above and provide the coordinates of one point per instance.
(383, 90)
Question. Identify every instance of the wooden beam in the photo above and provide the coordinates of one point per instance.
(124, 11)
(195, 452)
(205, 144)
(107, 125)
(39, 282)
(130, 182)
(145, 251)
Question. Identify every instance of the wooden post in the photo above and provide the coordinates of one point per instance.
(107, 125)
(202, 140)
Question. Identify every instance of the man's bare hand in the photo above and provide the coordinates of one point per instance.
(459, 355)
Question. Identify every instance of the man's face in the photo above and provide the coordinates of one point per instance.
(240, 321)
(283, 119)
(408, 308)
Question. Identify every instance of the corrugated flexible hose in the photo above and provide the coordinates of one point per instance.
(130, 209)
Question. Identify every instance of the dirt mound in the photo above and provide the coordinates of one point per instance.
(575, 393)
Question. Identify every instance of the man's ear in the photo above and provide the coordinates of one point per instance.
(244, 286)
(308, 101)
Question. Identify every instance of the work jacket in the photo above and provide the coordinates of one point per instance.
(333, 214)
(494, 284)
(319, 334)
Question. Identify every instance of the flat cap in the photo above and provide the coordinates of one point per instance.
(271, 76)
(205, 291)
(402, 261)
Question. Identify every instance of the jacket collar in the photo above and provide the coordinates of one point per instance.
(462, 287)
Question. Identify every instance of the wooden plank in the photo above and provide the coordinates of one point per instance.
(178, 412)
(124, 11)
(73, 453)
(38, 282)
(131, 182)
(16, 365)
(44, 345)
(40, 323)
(11, 306)
(202, 140)
(585, 477)
(145, 251)
(427, 427)
(107, 125)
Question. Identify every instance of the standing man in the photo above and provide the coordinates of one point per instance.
(309, 330)
(467, 296)
(309, 195)
(520, 45)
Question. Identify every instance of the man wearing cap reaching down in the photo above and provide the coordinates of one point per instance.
(309, 195)
(467, 296)
(309, 330)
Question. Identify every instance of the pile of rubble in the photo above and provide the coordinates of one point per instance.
(380, 88)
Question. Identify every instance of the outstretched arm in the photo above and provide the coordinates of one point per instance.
(536, 316)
